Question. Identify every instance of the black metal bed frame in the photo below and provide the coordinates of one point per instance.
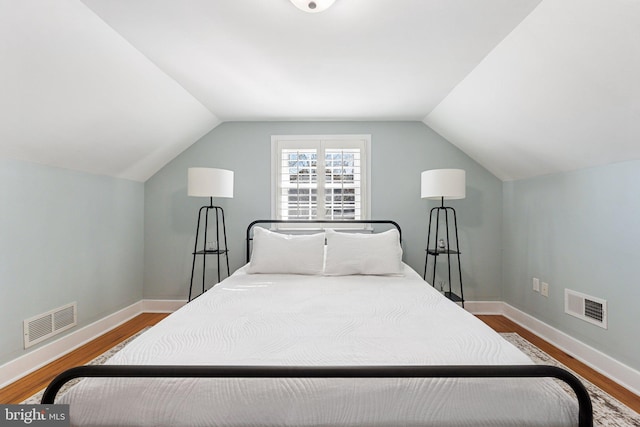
(585, 409)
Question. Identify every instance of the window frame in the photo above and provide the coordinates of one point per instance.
(279, 142)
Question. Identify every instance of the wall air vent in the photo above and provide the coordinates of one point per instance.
(585, 307)
(46, 325)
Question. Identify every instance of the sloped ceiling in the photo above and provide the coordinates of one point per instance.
(120, 87)
(75, 94)
(561, 92)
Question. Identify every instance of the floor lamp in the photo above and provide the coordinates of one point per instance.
(443, 184)
(209, 182)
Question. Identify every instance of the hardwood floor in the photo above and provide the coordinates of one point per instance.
(502, 324)
(39, 379)
(36, 381)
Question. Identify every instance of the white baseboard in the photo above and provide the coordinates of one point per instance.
(23, 365)
(484, 307)
(622, 374)
(161, 305)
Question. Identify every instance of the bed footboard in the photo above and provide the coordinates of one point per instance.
(585, 409)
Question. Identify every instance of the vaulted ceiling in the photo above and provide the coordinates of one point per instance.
(120, 87)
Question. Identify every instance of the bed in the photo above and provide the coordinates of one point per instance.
(291, 340)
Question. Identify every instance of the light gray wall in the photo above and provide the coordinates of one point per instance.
(65, 236)
(400, 152)
(578, 230)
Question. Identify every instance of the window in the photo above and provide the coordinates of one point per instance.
(320, 177)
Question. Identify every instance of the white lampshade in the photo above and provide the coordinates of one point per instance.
(447, 183)
(313, 6)
(209, 182)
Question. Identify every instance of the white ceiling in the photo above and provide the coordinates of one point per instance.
(75, 94)
(120, 87)
(561, 92)
(360, 59)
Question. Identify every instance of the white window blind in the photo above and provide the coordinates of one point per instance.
(298, 193)
(320, 178)
(343, 183)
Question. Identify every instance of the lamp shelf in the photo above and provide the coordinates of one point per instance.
(436, 252)
(211, 252)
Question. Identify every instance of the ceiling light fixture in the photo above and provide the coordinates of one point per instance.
(312, 6)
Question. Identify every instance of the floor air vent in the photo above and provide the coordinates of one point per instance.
(43, 326)
(585, 307)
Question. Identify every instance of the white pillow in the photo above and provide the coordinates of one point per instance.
(286, 254)
(376, 254)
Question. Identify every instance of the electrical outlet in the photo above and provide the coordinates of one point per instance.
(544, 289)
(536, 284)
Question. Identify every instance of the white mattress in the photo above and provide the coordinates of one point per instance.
(320, 321)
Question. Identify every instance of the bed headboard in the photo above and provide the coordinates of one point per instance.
(313, 224)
